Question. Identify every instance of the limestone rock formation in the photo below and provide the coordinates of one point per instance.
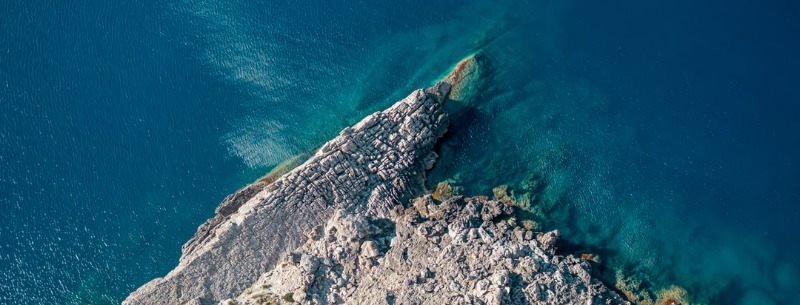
(465, 252)
(339, 229)
(369, 168)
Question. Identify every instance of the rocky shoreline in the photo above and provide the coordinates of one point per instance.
(456, 251)
(352, 225)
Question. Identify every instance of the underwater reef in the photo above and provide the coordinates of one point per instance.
(354, 223)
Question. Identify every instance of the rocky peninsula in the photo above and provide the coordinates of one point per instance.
(354, 224)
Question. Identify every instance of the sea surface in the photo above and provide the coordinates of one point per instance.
(665, 136)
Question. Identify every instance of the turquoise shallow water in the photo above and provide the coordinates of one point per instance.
(665, 136)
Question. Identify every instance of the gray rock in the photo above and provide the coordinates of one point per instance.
(369, 249)
(228, 206)
(420, 270)
(339, 229)
(257, 224)
(550, 239)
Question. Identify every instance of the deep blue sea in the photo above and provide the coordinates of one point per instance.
(669, 131)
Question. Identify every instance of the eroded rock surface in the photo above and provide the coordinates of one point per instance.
(367, 169)
(341, 228)
(464, 252)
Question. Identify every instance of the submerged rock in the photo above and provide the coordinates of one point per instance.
(464, 78)
(337, 229)
(632, 289)
(673, 295)
(590, 257)
(445, 190)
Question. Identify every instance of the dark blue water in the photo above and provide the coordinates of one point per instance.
(665, 133)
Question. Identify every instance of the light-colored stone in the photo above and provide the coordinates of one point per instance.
(256, 225)
(418, 269)
(369, 249)
(337, 229)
